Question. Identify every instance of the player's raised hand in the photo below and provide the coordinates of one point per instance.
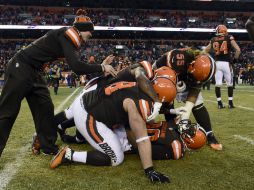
(108, 60)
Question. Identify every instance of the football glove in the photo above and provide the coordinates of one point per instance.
(156, 176)
(178, 111)
(156, 110)
(188, 107)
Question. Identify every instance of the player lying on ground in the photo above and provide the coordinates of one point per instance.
(96, 112)
(194, 69)
(167, 142)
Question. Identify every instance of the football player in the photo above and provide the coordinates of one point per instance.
(250, 27)
(141, 73)
(193, 68)
(95, 114)
(221, 46)
(167, 142)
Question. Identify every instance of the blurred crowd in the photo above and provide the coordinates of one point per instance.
(16, 15)
(131, 51)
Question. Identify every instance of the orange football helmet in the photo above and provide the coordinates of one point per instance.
(202, 68)
(197, 141)
(165, 89)
(166, 72)
(164, 84)
(193, 135)
(221, 30)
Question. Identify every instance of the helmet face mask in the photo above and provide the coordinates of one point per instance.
(196, 137)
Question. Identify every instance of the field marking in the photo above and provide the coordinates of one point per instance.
(248, 140)
(241, 107)
(60, 107)
(11, 168)
(239, 90)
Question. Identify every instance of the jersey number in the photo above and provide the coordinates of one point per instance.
(157, 131)
(118, 86)
(220, 48)
(180, 59)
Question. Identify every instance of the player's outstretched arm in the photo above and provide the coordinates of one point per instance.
(146, 86)
(143, 142)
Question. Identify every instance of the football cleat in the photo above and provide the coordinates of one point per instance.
(36, 145)
(60, 131)
(72, 139)
(213, 143)
(231, 106)
(221, 106)
(63, 156)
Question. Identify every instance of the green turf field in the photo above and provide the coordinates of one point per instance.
(232, 168)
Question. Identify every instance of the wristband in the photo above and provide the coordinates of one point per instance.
(142, 139)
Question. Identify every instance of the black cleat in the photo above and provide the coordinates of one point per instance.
(221, 106)
(231, 106)
(72, 139)
(61, 131)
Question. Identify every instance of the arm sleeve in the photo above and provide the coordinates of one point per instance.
(73, 58)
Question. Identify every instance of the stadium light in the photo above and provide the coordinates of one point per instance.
(122, 28)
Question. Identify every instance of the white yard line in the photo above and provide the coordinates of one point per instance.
(241, 107)
(11, 168)
(60, 107)
(240, 90)
(248, 140)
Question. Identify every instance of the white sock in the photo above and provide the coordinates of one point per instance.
(79, 156)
